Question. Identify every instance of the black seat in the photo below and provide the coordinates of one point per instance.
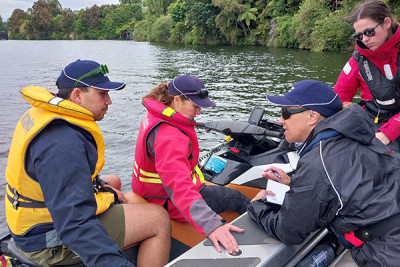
(25, 262)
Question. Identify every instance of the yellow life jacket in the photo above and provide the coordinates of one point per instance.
(24, 199)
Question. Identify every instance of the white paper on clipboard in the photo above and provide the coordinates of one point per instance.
(279, 190)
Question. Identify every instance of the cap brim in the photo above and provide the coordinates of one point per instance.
(109, 86)
(201, 102)
(280, 100)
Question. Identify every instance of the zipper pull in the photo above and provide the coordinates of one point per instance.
(377, 116)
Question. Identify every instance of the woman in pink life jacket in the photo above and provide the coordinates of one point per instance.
(166, 156)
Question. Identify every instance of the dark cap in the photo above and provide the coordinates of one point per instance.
(192, 88)
(311, 94)
(86, 73)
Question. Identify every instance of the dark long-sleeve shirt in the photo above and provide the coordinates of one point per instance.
(62, 158)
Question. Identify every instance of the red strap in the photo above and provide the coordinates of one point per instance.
(352, 239)
(235, 150)
(3, 261)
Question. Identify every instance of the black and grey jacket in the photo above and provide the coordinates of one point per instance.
(347, 181)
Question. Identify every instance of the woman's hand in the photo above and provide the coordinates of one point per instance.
(223, 235)
(277, 175)
(383, 138)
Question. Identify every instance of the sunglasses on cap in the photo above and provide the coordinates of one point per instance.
(202, 93)
(286, 112)
(102, 68)
(368, 32)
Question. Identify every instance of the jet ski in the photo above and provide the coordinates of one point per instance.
(238, 162)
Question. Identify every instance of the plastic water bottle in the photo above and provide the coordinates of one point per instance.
(321, 256)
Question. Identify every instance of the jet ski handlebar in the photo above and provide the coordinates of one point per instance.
(238, 128)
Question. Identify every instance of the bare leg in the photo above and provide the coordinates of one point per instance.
(113, 180)
(150, 224)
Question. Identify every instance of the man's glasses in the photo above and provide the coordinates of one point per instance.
(102, 68)
(368, 32)
(286, 112)
(202, 93)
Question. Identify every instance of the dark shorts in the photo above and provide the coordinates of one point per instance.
(113, 220)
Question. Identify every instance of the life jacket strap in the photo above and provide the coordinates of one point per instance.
(373, 231)
(99, 186)
(26, 203)
(353, 239)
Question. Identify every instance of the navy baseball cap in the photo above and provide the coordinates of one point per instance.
(311, 94)
(83, 73)
(192, 88)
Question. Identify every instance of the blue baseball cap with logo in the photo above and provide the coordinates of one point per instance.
(311, 94)
(82, 73)
(192, 88)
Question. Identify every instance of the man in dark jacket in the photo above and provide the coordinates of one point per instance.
(57, 210)
(345, 179)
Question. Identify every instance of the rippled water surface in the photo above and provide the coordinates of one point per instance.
(238, 79)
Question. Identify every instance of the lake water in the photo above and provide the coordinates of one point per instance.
(238, 78)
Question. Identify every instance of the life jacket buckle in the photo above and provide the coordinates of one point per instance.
(95, 188)
(15, 198)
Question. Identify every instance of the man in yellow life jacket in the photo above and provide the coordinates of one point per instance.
(58, 210)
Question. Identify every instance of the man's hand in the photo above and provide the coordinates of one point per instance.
(383, 138)
(277, 175)
(346, 104)
(121, 196)
(263, 194)
(223, 235)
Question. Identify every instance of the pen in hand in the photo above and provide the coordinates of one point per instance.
(276, 173)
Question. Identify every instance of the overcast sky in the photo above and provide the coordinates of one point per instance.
(8, 6)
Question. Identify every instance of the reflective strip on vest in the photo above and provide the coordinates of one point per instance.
(387, 102)
(169, 112)
(156, 180)
(139, 172)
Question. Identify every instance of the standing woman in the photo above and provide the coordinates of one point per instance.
(373, 69)
(166, 156)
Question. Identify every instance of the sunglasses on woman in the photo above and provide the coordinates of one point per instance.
(368, 32)
(202, 93)
(286, 112)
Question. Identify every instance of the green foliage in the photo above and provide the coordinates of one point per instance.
(178, 33)
(263, 21)
(141, 30)
(201, 19)
(2, 24)
(283, 32)
(228, 20)
(42, 19)
(160, 30)
(310, 12)
(249, 14)
(279, 8)
(17, 25)
(120, 21)
(158, 7)
(318, 25)
(64, 25)
(178, 11)
(292, 6)
(331, 33)
(123, 2)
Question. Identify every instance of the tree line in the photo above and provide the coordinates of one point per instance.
(318, 25)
